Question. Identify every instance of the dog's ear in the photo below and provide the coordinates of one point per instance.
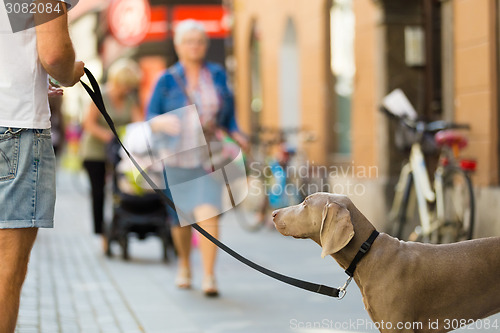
(336, 229)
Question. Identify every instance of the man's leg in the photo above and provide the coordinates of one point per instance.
(15, 248)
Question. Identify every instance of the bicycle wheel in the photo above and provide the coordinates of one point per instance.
(458, 203)
(252, 212)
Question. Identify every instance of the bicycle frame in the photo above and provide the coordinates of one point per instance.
(415, 167)
(424, 193)
(438, 186)
(423, 189)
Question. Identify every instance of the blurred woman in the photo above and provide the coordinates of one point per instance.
(193, 81)
(122, 106)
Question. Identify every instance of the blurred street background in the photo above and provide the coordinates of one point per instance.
(323, 66)
(320, 66)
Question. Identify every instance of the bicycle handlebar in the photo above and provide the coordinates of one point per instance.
(277, 135)
(423, 126)
(277, 130)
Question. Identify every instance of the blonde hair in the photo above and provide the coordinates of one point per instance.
(124, 72)
(188, 25)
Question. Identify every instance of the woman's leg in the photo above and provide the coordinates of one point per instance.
(207, 248)
(182, 242)
(97, 175)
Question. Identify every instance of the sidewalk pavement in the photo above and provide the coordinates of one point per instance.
(72, 287)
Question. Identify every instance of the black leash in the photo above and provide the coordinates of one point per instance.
(95, 94)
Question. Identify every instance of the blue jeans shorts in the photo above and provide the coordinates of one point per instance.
(27, 178)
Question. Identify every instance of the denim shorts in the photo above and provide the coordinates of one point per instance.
(27, 178)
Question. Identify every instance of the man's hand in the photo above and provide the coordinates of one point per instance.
(78, 72)
(55, 91)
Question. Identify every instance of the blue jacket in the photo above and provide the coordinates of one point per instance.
(168, 95)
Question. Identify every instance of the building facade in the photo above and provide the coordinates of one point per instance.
(325, 65)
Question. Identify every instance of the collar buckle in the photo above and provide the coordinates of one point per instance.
(365, 247)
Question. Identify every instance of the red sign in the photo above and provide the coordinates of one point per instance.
(214, 18)
(158, 27)
(129, 20)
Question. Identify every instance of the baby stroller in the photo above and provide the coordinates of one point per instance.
(136, 210)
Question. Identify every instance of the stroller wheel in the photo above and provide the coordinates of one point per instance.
(124, 245)
(165, 249)
(108, 235)
(107, 248)
(165, 255)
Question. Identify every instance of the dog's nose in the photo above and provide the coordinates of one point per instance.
(275, 212)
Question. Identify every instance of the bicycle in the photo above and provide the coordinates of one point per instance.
(445, 210)
(273, 180)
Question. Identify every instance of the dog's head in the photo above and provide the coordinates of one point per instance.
(321, 217)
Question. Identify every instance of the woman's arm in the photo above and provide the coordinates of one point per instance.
(137, 115)
(159, 119)
(155, 103)
(91, 125)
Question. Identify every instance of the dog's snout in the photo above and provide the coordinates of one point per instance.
(275, 212)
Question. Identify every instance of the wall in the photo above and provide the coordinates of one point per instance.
(310, 19)
(364, 115)
(476, 101)
(476, 88)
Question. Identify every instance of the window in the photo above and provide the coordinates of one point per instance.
(256, 79)
(289, 82)
(343, 68)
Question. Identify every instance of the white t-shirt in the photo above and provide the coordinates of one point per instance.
(23, 80)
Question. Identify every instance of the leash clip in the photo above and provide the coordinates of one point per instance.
(343, 289)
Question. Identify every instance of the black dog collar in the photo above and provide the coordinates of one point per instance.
(365, 247)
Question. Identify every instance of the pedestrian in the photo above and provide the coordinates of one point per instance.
(192, 80)
(27, 161)
(123, 107)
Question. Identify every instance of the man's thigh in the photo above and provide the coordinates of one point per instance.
(15, 248)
